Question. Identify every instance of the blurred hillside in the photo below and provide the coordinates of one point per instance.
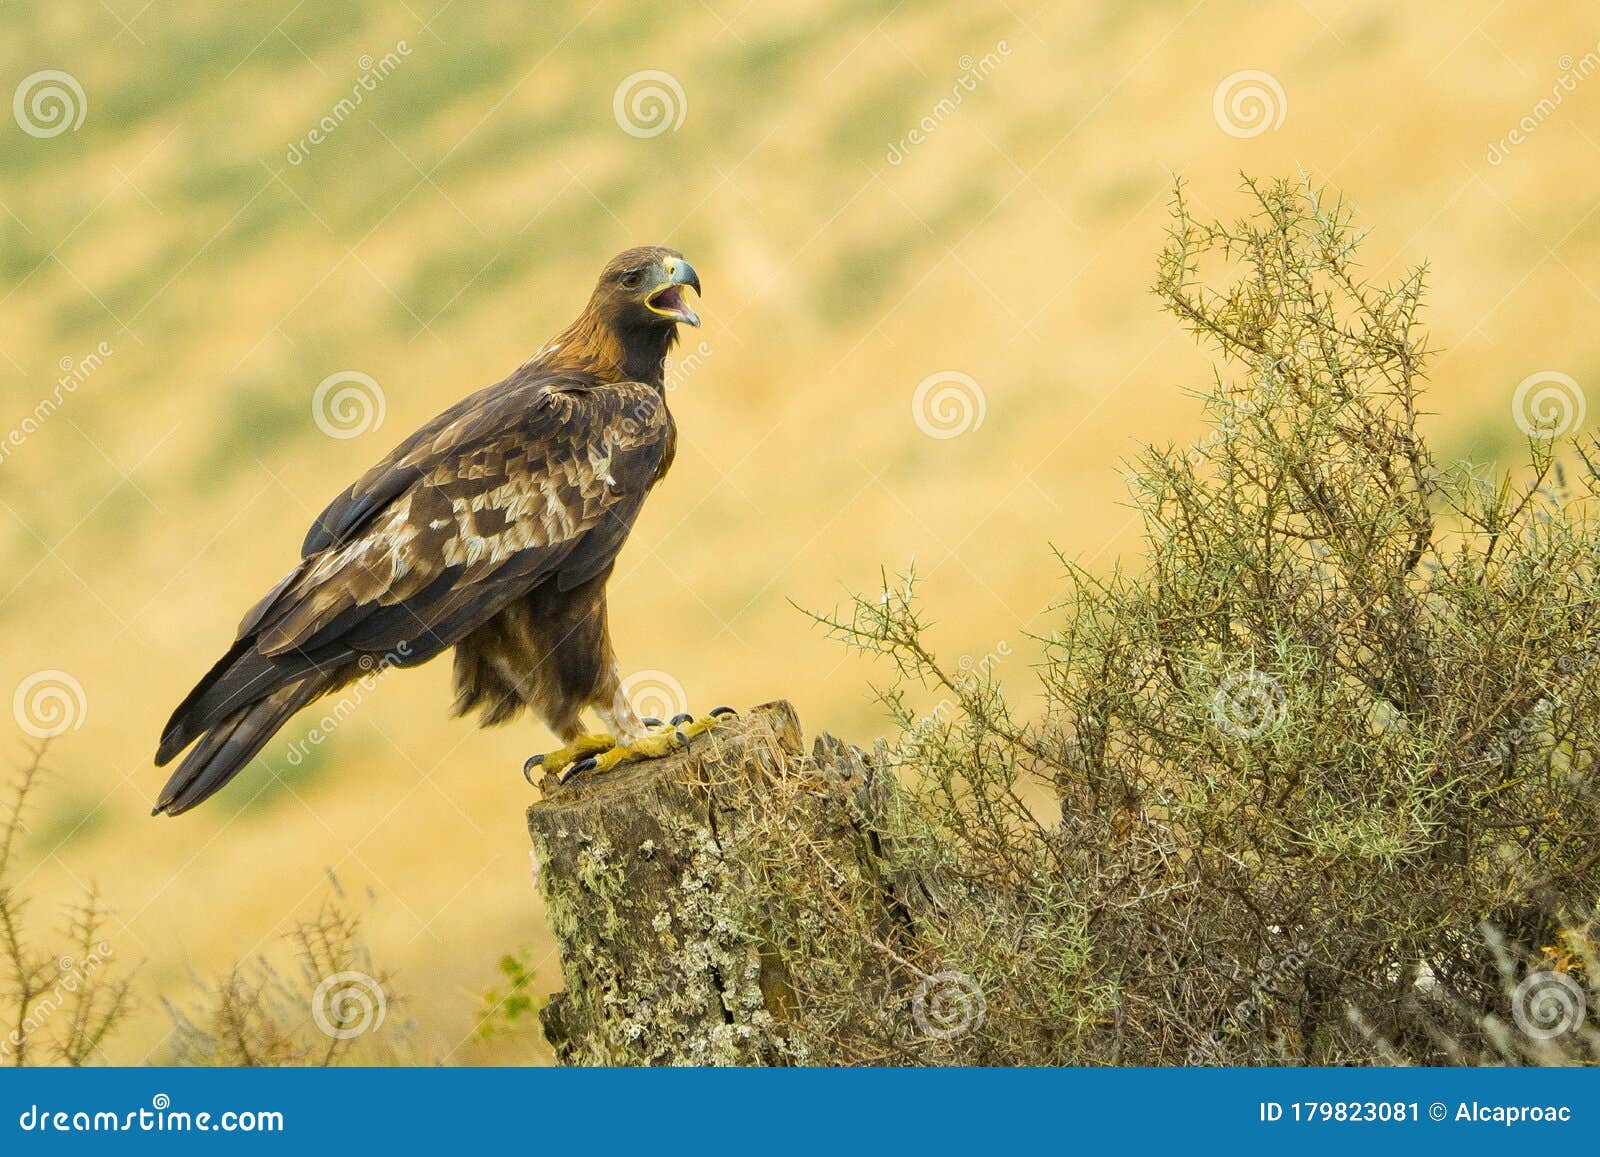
(936, 347)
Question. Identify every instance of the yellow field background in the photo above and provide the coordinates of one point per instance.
(456, 218)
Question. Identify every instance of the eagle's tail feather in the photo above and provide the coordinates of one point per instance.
(206, 707)
(225, 749)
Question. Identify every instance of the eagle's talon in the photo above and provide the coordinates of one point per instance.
(590, 753)
(686, 729)
(562, 759)
(650, 721)
(578, 768)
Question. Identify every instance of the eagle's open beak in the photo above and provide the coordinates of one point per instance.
(668, 300)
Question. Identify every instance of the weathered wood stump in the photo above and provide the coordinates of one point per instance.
(656, 891)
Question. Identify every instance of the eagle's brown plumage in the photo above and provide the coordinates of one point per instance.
(492, 529)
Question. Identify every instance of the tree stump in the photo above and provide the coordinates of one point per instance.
(661, 911)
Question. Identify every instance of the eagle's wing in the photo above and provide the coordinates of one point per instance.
(531, 481)
(503, 492)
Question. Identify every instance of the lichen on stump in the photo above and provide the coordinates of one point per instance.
(685, 894)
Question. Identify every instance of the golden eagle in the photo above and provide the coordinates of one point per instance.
(493, 530)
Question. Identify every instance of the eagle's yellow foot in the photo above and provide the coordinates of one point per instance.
(580, 748)
(680, 732)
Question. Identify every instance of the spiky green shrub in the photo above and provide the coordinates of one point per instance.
(64, 1004)
(334, 1007)
(57, 1005)
(1325, 755)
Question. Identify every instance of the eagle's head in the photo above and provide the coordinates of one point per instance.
(642, 290)
(632, 317)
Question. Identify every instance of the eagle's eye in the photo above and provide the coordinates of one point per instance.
(632, 279)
